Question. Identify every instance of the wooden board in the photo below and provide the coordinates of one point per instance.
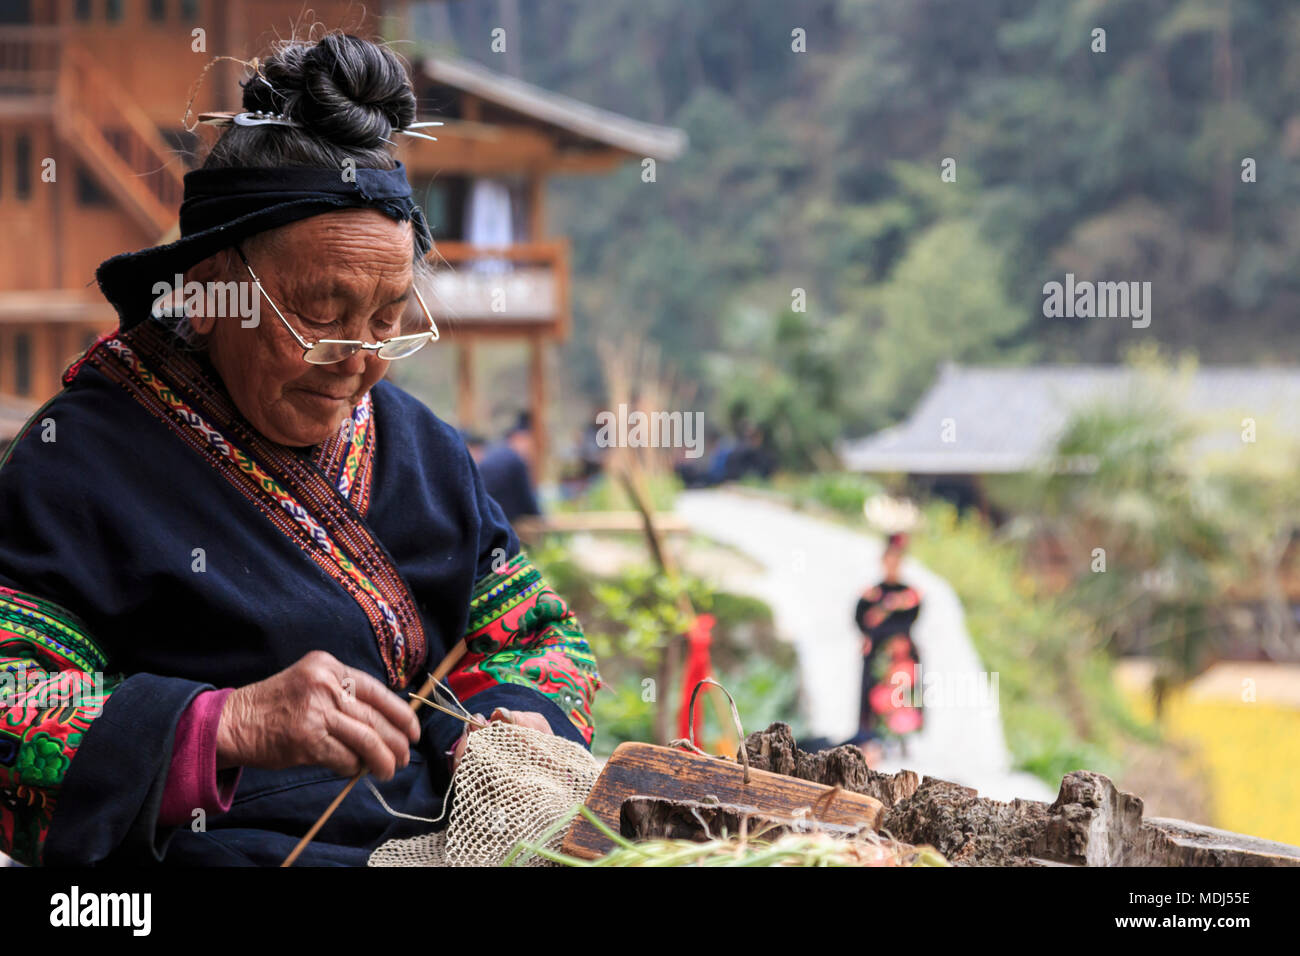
(645, 769)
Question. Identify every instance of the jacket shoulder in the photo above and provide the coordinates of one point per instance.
(402, 414)
(83, 423)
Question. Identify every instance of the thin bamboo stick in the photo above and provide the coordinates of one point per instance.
(443, 669)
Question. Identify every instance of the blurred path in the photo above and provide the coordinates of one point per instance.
(813, 573)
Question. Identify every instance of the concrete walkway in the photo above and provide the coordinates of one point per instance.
(813, 572)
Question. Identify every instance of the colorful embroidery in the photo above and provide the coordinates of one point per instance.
(359, 432)
(52, 687)
(348, 458)
(522, 632)
(314, 513)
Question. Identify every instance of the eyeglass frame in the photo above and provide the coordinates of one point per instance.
(361, 346)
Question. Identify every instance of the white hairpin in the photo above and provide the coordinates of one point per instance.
(413, 126)
(261, 118)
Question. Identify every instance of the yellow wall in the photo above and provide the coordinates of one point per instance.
(1252, 752)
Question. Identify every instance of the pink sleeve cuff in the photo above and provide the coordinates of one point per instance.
(193, 782)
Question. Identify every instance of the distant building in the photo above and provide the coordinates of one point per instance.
(95, 91)
(979, 420)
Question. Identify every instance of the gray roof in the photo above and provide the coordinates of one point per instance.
(603, 126)
(1008, 419)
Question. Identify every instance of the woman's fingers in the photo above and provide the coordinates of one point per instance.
(395, 739)
(333, 755)
(520, 718)
(369, 690)
(364, 742)
(523, 718)
(459, 750)
(317, 711)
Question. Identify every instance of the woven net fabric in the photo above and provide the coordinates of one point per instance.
(512, 785)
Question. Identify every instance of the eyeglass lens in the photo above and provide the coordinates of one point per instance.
(328, 353)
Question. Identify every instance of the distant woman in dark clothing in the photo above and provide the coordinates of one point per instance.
(885, 614)
(506, 475)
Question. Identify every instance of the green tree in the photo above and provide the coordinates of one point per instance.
(944, 301)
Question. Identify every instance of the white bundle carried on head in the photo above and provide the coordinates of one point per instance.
(891, 515)
(513, 784)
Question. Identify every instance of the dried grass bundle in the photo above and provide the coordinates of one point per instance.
(790, 849)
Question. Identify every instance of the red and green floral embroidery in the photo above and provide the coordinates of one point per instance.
(521, 632)
(52, 687)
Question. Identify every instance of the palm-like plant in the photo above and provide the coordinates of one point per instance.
(1148, 528)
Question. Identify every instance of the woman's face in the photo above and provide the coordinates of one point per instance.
(343, 275)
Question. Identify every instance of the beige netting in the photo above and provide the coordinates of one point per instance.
(512, 785)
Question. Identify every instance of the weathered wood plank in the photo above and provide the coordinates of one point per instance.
(639, 769)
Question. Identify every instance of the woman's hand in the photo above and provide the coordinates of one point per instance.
(317, 712)
(524, 718)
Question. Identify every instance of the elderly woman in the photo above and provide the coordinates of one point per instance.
(237, 547)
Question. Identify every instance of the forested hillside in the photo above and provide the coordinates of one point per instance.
(820, 170)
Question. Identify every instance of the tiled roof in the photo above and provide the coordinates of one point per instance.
(1008, 419)
(602, 126)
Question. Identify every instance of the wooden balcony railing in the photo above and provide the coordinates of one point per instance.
(509, 289)
(29, 60)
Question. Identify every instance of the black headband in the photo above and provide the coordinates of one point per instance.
(223, 206)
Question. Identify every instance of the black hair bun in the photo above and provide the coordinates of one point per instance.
(346, 90)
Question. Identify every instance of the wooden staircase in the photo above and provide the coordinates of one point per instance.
(41, 73)
(118, 143)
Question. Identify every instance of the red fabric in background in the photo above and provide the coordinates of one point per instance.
(698, 666)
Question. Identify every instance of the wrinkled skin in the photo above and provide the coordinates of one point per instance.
(343, 275)
(320, 712)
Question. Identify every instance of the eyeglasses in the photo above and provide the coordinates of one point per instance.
(330, 351)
